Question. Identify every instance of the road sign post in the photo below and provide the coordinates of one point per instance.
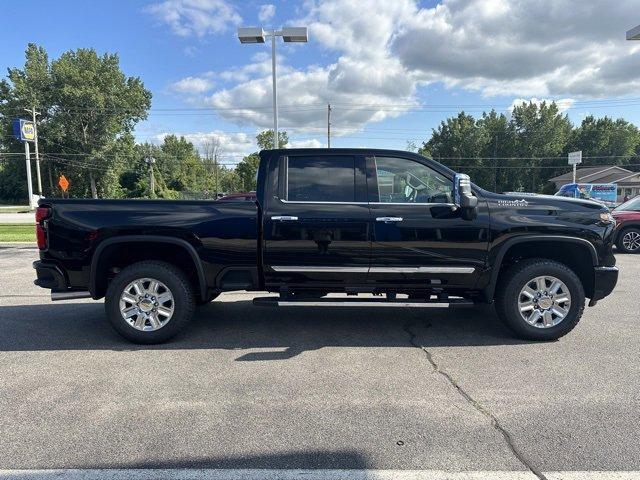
(574, 159)
(25, 131)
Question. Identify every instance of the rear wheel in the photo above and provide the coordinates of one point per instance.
(540, 299)
(149, 302)
(629, 240)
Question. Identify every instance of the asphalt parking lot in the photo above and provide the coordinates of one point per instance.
(257, 388)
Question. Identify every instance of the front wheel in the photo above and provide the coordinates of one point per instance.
(149, 302)
(540, 299)
(629, 240)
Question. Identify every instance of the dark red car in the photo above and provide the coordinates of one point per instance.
(239, 197)
(627, 218)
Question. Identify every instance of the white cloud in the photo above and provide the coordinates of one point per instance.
(233, 145)
(195, 17)
(267, 11)
(310, 143)
(193, 85)
(380, 52)
(524, 47)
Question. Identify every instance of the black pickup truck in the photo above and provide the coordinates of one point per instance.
(406, 231)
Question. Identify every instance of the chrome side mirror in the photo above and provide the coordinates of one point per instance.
(463, 196)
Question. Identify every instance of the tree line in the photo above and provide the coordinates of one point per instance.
(523, 150)
(88, 108)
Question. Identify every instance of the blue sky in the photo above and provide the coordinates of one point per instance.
(392, 70)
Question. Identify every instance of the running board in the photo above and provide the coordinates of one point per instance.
(359, 302)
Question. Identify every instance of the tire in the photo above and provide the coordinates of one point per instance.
(631, 237)
(153, 324)
(209, 299)
(510, 298)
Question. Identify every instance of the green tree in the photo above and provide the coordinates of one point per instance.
(265, 139)
(542, 132)
(458, 142)
(605, 137)
(247, 169)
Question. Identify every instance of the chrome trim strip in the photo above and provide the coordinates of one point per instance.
(367, 203)
(422, 269)
(320, 269)
(323, 203)
(323, 269)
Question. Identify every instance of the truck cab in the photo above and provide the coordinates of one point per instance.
(350, 227)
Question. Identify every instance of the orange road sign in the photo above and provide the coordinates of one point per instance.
(64, 183)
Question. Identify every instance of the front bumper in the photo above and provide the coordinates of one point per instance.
(49, 275)
(605, 279)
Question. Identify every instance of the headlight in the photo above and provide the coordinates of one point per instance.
(606, 217)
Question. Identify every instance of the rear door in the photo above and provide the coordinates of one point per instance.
(419, 237)
(315, 228)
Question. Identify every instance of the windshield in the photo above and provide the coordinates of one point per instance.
(632, 205)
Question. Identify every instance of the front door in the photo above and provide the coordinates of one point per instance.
(419, 238)
(316, 227)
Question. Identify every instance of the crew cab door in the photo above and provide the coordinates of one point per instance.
(315, 227)
(419, 237)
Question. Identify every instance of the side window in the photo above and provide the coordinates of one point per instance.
(401, 180)
(321, 179)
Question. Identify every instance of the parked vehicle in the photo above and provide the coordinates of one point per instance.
(627, 235)
(352, 221)
(239, 197)
(606, 193)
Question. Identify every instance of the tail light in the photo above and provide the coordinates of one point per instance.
(42, 213)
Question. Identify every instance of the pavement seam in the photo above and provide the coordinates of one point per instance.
(495, 423)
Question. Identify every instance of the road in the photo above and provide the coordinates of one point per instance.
(341, 389)
(14, 218)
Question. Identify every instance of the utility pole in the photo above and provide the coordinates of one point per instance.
(152, 181)
(33, 113)
(328, 125)
(495, 163)
(215, 173)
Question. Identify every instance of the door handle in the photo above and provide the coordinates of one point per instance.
(284, 218)
(388, 219)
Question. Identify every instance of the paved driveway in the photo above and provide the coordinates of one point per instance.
(257, 388)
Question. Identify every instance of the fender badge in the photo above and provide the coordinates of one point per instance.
(513, 203)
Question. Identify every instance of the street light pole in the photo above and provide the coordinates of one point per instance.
(276, 143)
(258, 35)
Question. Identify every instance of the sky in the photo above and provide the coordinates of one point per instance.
(391, 69)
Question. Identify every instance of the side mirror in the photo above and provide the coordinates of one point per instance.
(463, 196)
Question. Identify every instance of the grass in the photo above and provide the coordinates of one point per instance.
(17, 233)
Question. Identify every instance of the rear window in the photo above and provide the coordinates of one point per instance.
(321, 179)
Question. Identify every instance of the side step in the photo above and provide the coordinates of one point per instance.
(361, 302)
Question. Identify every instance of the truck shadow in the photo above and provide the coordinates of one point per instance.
(277, 333)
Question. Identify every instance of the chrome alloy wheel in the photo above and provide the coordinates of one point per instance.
(631, 241)
(544, 301)
(146, 304)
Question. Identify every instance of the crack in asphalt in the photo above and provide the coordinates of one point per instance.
(495, 423)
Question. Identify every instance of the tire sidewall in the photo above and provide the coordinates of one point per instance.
(174, 280)
(524, 274)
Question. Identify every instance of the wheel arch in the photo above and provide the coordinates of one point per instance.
(560, 248)
(98, 280)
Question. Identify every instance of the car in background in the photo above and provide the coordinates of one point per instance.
(600, 192)
(627, 216)
(239, 197)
